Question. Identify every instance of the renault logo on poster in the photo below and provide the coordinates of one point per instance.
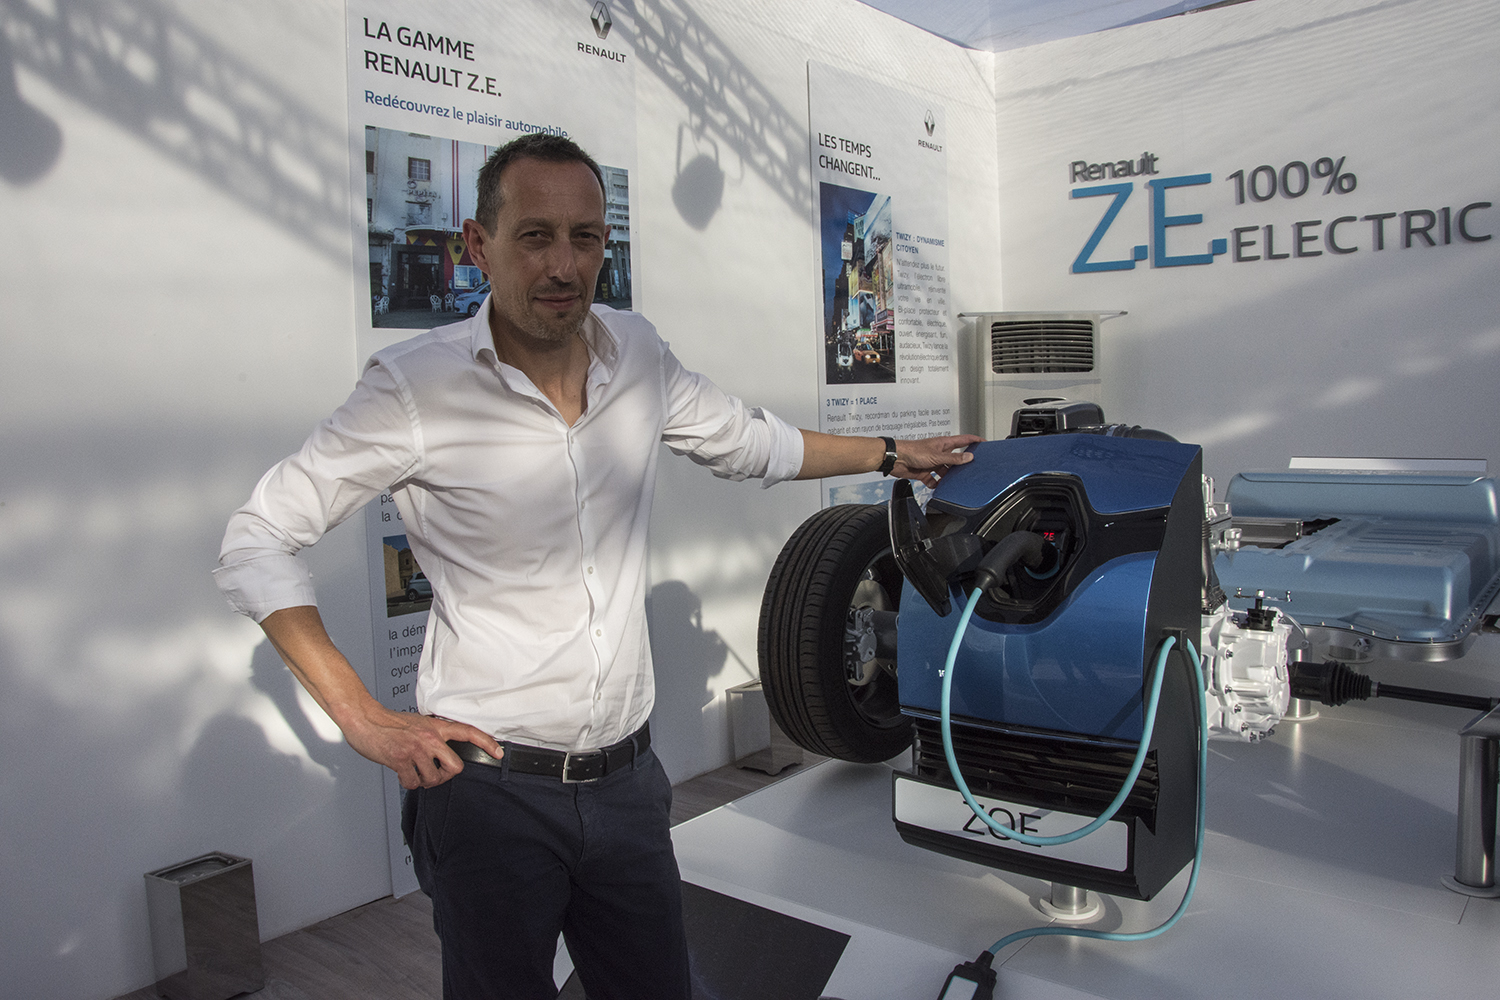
(602, 22)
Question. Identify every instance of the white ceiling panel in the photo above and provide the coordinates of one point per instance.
(997, 25)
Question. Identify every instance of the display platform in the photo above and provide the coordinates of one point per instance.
(1321, 877)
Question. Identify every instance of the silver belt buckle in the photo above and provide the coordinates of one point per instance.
(568, 766)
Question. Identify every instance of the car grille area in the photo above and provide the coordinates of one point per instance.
(1061, 772)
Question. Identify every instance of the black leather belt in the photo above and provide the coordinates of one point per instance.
(571, 766)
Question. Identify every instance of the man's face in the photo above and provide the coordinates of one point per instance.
(546, 250)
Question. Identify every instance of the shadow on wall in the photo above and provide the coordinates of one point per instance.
(698, 190)
(141, 65)
(144, 67)
(687, 659)
(729, 111)
(32, 140)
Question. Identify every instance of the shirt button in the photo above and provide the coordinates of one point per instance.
(598, 631)
(591, 569)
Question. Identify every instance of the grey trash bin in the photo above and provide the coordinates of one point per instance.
(205, 937)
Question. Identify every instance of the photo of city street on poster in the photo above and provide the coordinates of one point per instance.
(859, 315)
(407, 589)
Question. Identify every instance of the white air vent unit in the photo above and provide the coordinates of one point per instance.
(1023, 355)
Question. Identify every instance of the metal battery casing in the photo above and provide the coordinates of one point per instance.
(1403, 566)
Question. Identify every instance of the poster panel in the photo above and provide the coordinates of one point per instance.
(435, 86)
(880, 212)
(400, 598)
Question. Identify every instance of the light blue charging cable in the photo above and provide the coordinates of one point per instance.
(1114, 806)
(963, 787)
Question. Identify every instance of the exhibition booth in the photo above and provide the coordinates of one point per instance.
(1217, 288)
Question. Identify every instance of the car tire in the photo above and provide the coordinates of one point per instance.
(838, 560)
(473, 308)
(411, 596)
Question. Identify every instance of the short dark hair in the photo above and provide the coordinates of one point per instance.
(536, 146)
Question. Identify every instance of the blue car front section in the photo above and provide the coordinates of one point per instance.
(1050, 678)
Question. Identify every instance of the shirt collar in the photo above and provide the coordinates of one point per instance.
(603, 344)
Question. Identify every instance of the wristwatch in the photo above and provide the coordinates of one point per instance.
(890, 457)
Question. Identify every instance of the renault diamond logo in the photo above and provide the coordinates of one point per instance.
(601, 20)
(929, 121)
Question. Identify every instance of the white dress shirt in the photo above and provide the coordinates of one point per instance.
(532, 533)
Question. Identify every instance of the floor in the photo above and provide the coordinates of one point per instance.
(1321, 878)
(386, 950)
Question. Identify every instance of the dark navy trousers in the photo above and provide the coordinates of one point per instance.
(512, 860)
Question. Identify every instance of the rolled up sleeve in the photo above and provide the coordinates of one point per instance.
(368, 445)
(721, 433)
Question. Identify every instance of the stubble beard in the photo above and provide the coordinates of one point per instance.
(546, 330)
(552, 331)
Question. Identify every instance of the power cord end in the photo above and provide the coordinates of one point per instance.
(971, 980)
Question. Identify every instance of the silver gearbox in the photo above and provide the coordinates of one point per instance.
(1246, 673)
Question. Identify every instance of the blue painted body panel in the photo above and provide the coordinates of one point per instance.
(1118, 474)
(1081, 669)
(1078, 671)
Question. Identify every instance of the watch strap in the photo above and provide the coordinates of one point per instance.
(890, 457)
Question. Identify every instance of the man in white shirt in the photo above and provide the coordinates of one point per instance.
(521, 448)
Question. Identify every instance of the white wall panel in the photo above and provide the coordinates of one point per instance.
(1390, 353)
(177, 316)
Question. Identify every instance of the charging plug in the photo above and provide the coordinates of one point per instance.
(1024, 547)
(971, 981)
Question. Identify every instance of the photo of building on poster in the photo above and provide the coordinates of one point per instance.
(418, 191)
(859, 299)
(407, 589)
